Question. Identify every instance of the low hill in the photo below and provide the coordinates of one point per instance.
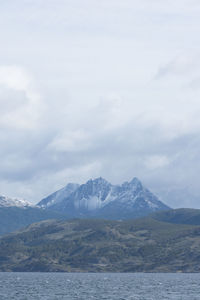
(179, 216)
(143, 245)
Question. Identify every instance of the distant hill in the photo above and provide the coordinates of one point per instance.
(142, 245)
(179, 216)
(14, 218)
(100, 199)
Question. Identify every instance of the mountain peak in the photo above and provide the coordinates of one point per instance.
(134, 184)
(99, 198)
(58, 196)
(98, 180)
(135, 181)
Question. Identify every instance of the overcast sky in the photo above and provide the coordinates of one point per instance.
(105, 88)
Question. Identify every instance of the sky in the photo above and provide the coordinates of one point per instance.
(105, 88)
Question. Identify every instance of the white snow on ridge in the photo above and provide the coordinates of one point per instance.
(90, 203)
(8, 202)
(58, 196)
(98, 193)
(94, 202)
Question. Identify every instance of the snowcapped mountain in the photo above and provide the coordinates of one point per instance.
(58, 196)
(99, 198)
(8, 202)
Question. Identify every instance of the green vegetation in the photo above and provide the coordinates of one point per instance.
(142, 245)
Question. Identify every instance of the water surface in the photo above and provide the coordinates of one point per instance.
(93, 286)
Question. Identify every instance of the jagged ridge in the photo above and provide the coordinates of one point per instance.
(99, 198)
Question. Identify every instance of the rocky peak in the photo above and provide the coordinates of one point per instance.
(98, 197)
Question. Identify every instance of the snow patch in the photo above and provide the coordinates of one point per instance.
(8, 202)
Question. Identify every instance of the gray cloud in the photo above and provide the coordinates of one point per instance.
(79, 99)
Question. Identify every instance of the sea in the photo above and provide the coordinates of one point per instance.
(109, 286)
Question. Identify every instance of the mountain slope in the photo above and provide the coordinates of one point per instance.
(99, 198)
(58, 196)
(142, 245)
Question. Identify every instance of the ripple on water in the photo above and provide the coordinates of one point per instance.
(86, 286)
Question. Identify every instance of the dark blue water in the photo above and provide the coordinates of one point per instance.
(98, 286)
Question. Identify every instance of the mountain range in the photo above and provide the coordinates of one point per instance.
(95, 199)
(100, 199)
(141, 234)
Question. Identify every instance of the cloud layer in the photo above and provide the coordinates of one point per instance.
(106, 88)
